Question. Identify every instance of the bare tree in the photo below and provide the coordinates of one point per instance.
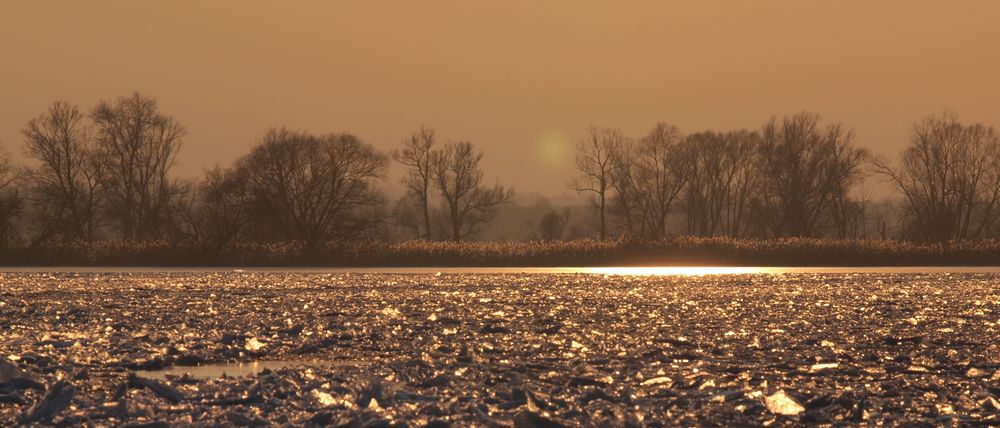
(647, 177)
(408, 218)
(950, 179)
(594, 160)
(849, 214)
(803, 168)
(468, 205)
(624, 203)
(139, 145)
(11, 202)
(417, 157)
(217, 210)
(722, 182)
(882, 218)
(313, 188)
(66, 186)
(661, 169)
(552, 225)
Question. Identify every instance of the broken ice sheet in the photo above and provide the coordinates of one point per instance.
(428, 375)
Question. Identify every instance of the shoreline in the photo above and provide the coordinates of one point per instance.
(674, 251)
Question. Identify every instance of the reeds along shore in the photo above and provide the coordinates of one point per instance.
(586, 252)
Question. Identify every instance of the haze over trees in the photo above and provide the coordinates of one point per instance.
(652, 173)
(418, 157)
(311, 188)
(106, 174)
(67, 188)
(138, 146)
(111, 172)
(596, 163)
(552, 225)
(949, 177)
(792, 178)
(11, 202)
(468, 203)
(805, 168)
(217, 210)
(454, 174)
(724, 179)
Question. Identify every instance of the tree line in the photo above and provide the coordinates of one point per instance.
(106, 174)
(793, 177)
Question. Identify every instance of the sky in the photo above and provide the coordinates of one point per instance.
(521, 79)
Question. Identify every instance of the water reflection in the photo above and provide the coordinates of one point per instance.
(211, 371)
(679, 270)
(739, 270)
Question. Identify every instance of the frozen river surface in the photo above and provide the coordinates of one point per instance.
(507, 347)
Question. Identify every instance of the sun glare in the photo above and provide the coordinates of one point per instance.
(677, 270)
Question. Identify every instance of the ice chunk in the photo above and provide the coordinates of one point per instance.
(253, 344)
(780, 403)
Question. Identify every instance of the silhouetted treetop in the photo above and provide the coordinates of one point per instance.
(139, 146)
(313, 188)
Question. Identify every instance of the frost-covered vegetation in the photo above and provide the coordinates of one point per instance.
(682, 250)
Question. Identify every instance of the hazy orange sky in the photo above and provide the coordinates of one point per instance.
(522, 79)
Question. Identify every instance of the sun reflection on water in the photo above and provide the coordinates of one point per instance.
(681, 270)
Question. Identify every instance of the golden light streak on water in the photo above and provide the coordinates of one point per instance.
(681, 270)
